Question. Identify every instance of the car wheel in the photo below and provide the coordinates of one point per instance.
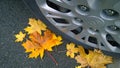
(93, 23)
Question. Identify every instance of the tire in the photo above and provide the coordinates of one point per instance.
(88, 23)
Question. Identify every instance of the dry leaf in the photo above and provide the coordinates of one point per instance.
(81, 50)
(20, 36)
(99, 60)
(81, 60)
(35, 25)
(71, 50)
(38, 43)
(95, 59)
(78, 67)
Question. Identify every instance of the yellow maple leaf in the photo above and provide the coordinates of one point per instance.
(78, 67)
(81, 50)
(38, 43)
(71, 50)
(35, 25)
(94, 59)
(97, 59)
(81, 60)
(20, 36)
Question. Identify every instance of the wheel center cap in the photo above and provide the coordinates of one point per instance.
(94, 22)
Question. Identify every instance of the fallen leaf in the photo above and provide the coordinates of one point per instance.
(20, 36)
(81, 50)
(71, 50)
(94, 59)
(39, 43)
(78, 67)
(97, 59)
(82, 61)
(35, 25)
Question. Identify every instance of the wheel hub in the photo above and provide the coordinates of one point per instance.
(95, 23)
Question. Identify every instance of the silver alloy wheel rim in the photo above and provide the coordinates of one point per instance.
(95, 23)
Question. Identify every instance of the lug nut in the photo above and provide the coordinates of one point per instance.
(78, 19)
(113, 27)
(110, 12)
(83, 8)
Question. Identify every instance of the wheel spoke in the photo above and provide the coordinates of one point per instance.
(116, 7)
(107, 45)
(54, 12)
(116, 37)
(53, 16)
(86, 38)
(57, 14)
(102, 42)
(95, 4)
(69, 27)
(109, 3)
(82, 35)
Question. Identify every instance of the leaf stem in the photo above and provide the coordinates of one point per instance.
(53, 59)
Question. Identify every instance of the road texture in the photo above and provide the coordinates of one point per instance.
(14, 17)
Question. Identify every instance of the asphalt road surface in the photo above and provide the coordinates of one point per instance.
(14, 17)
